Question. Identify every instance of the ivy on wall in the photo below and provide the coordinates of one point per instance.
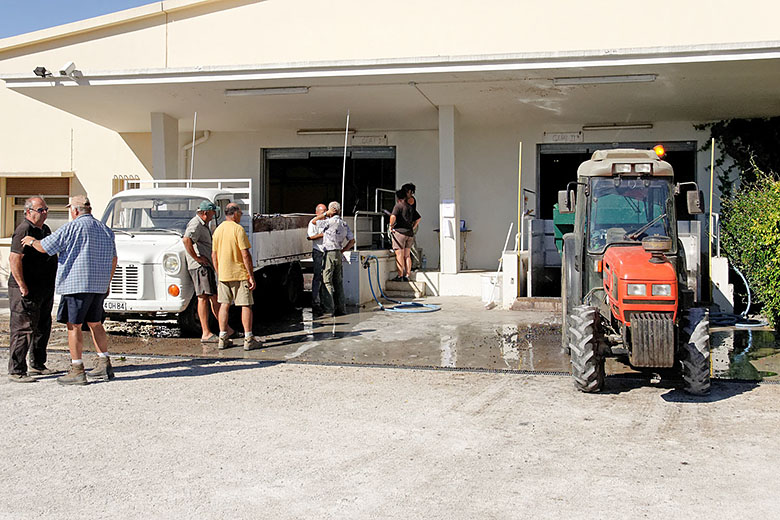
(753, 145)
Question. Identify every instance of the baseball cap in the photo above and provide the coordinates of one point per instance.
(78, 200)
(207, 206)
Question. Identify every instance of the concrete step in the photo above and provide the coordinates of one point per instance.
(405, 289)
(539, 303)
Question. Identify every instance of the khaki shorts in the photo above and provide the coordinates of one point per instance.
(401, 241)
(236, 292)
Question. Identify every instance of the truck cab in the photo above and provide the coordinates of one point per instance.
(151, 277)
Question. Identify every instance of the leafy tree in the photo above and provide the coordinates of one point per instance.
(750, 235)
(745, 141)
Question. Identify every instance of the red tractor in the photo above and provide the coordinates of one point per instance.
(623, 272)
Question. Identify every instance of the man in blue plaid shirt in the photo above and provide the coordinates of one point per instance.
(87, 260)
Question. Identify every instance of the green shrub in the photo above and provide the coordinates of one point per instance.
(750, 235)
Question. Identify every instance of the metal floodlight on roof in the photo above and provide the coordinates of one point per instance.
(42, 72)
(270, 91)
(601, 80)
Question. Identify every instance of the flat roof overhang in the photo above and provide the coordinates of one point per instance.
(692, 84)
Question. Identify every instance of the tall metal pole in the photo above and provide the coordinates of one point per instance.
(344, 165)
(192, 157)
(520, 209)
(712, 187)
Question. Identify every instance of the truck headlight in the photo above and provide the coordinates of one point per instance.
(662, 289)
(171, 263)
(636, 289)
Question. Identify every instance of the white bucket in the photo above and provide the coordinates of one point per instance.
(488, 279)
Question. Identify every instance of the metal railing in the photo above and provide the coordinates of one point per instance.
(376, 197)
(369, 214)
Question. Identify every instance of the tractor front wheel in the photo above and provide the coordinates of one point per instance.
(695, 351)
(587, 362)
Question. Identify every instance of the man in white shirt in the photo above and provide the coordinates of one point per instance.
(337, 238)
(318, 257)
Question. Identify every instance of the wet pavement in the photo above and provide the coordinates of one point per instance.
(462, 335)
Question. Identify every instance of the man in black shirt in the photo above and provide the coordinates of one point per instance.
(31, 294)
(403, 223)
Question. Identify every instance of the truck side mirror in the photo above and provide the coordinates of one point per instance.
(695, 202)
(565, 202)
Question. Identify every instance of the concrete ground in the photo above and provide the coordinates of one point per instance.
(176, 437)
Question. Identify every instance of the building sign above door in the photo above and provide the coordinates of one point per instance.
(369, 140)
(563, 137)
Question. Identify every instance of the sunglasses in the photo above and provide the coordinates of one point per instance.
(42, 210)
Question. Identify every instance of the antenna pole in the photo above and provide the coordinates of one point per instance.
(344, 164)
(192, 157)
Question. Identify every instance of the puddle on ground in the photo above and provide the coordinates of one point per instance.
(747, 354)
(367, 337)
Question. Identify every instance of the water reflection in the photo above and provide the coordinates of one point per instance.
(745, 354)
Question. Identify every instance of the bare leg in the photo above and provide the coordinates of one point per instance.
(215, 306)
(223, 317)
(399, 261)
(99, 336)
(408, 261)
(246, 318)
(203, 315)
(75, 341)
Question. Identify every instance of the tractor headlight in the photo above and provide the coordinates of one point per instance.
(636, 289)
(171, 263)
(662, 289)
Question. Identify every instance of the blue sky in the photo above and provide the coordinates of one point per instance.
(22, 16)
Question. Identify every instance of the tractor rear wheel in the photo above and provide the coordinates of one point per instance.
(587, 362)
(695, 351)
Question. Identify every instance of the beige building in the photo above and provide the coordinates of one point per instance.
(439, 93)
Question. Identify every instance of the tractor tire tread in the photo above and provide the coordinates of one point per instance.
(587, 365)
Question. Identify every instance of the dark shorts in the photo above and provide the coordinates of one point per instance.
(80, 308)
(204, 281)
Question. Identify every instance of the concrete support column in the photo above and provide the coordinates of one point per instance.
(165, 146)
(449, 211)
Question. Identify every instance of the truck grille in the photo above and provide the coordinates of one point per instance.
(652, 339)
(126, 282)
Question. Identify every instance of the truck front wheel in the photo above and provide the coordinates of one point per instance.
(587, 363)
(695, 351)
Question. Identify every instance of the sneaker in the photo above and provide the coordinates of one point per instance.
(75, 376)
(405, 279)
(20, 378)
(252, 343)
(224, 342)
(41, 371)
(103, 370)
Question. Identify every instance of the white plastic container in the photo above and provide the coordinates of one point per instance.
(488, 279)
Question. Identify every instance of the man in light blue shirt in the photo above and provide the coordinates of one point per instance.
(87, 260)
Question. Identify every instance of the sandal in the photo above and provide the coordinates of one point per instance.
(211, 339)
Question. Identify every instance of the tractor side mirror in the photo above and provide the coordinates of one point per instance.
(565, 202)
(695, 202)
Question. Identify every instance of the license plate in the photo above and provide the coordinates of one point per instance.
(114, 305)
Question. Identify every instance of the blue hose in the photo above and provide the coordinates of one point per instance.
(401, 306)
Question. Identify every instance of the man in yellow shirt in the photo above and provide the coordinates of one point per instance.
(233, 262)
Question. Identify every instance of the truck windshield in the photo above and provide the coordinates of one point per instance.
(628, 209)
(151, 215)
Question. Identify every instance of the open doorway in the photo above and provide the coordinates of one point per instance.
(297, 179)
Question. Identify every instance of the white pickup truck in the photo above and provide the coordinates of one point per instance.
(151, 279)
